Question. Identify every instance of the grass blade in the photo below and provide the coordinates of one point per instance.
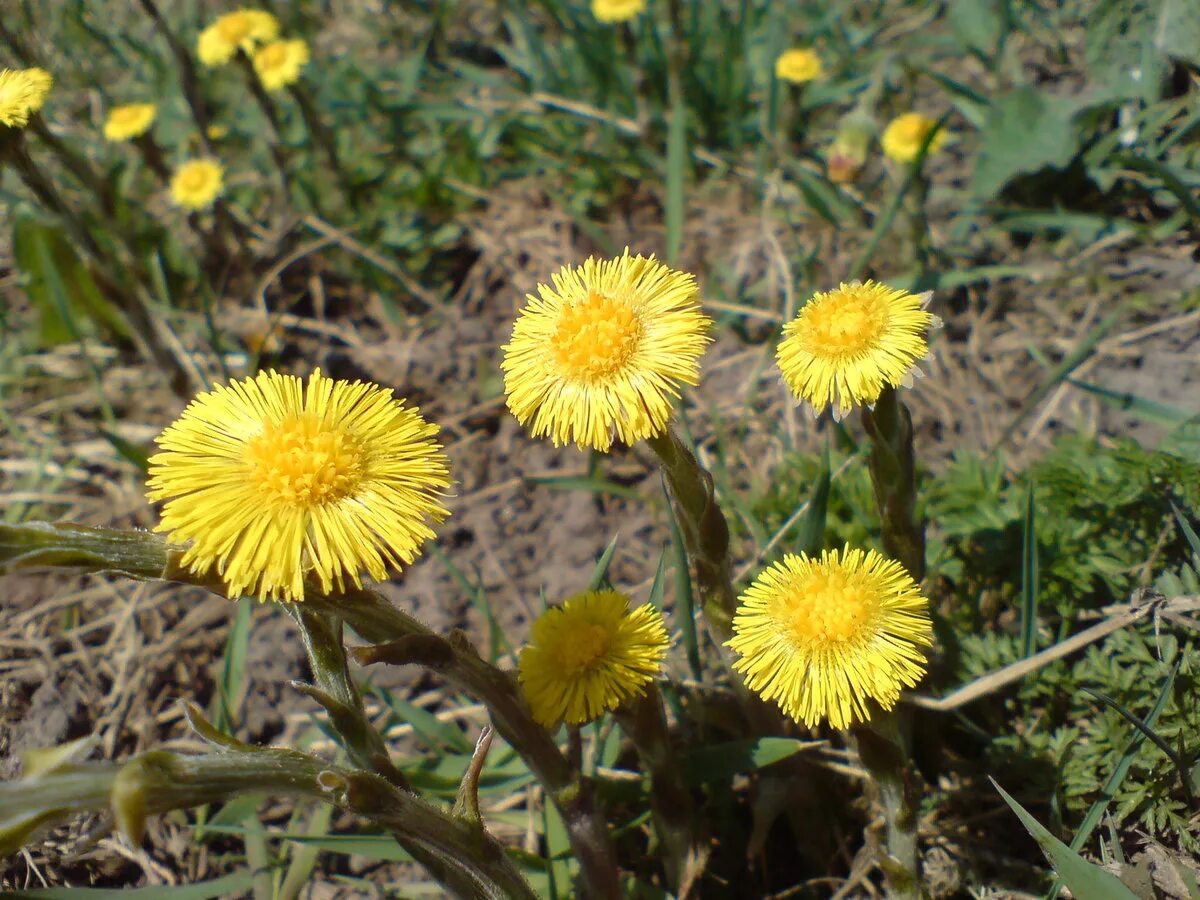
(685, 601)
(1029, 579)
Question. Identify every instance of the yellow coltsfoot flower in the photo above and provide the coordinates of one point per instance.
(905, 134)
(822, 637)
(22, 93)
(278, 63)
(197, 183)
(127, 122)
(846, 345)
(613, 11)
(243, 29)
(271, 481)
(604, 351)
(590, 655)
(798, 65)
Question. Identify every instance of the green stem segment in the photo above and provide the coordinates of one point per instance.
(705, 531)
(893, 474)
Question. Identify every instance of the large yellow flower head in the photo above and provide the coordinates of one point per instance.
(243, 30)
(604, 351)
(590, 655)
(22, 93)
(905, 134)
(197, 183)
(822, 637)
(846, 345)
(127, 122)
(278, 63)
(613, 11)
(271, 480)
(798, 65)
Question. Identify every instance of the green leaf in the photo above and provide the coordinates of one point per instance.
(600, 572)
(720, 762)
(1085, 879)
(1026, 130)
(1029, 579)
(226, 886)
(811, 536)
(677, 153)
(232, 687)
(976, 23)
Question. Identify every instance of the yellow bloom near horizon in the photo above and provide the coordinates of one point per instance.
(22, 93)
(604, 351)
(272, 480)
(197, 183)
(798, 65)
(278, 64)
(243, 29)
(824, 637)
(590, 655)
(904, 135)
(612, 12)
(129, 121)
(846, 345)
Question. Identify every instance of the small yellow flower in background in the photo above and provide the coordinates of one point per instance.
(590, 655)
(798, 65)
(271, 480)
(613, 11)
(604, 351)
(127, 122)
(904, 135)
(22, 93)
(278, 64)
(243, 30)
(822, 637)
(197, 183)
(846, 345)
(217, 132)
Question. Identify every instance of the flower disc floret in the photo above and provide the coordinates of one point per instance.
(127, 122)
(605, 351)
(798, 65)
(243, 29)
(22, 93)
(825, 637)
(278, 63)
(197, 183)
(272, 481)
(904, 136)
(846, 345)
(590, 655)
(611, 12)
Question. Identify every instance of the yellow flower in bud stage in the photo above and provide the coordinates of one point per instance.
(613, 11)
(243, 30)
(822, 637)
(590, 655)
(271, 481)
(798, 65)
(197, 183)
(278, 64)
(846, 345)
(22, 93)
(127, 122)
(905, 134)
(604, 351)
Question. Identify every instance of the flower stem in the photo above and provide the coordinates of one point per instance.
(705, 531)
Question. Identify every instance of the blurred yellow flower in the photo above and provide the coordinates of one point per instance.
(904, 135)
(271, 480)
(217, 132)
(22, 93)
(613, 11)
(604, 351)
(798, 65)
(590, 655)
(243, 30)
(278, 64)
(822, 637)
(127, 122)
(846, 345)
(197, 183)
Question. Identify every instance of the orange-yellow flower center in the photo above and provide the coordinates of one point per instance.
(234, 28)
(827, 607)
(193, 179)
(273, 55)
(301, 463)
(596, 338)
(579, 650)
(844, 324)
